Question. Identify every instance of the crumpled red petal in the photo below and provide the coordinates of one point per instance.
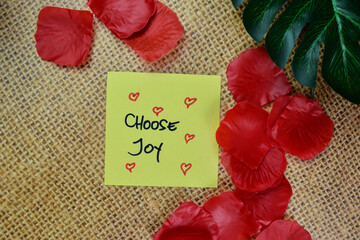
(268, 205)
(159, 36)
(234, 220)
(63, 36)
(254, 77)
(242, 133)
(124, 17)
(269, 172)
(302, 129)
(284, 230)
(189, 222)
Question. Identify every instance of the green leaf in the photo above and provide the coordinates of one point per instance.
(258, 16)
(334, 22)
(341, 62)
(237, 3)
(306, 59)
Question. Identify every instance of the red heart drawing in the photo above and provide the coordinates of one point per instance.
(130, 166)
(157, 110)
(189, 137)
(185, 167)
(189, 101)
(134, 96)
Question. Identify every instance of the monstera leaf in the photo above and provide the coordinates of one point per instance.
(237, 2)
(336, 23)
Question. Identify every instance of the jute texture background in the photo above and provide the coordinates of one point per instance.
(52, 134)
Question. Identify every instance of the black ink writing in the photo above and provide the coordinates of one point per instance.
(140, 123)
(149, 148)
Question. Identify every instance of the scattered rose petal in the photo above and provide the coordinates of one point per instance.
(123, 17)
(234, 220)
(269, 172)
(302, 129)
(254, 77)
(284, 230)
(268, 205)
(159, 36)
(189, 222)
(277, 108)
(242, 133)
(63, 36)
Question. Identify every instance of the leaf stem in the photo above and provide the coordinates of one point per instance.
(312, 92)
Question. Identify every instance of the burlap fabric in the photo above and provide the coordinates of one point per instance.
(52, 134)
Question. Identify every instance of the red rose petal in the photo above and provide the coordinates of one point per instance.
(254, 77)
(189, 222)
(269, 172)
(123, 17)
(242, 133)
(234, 220)
(268, 205)
(159, 36)
(277, 108)
(302, 129)
(284, 230)
(63, 36)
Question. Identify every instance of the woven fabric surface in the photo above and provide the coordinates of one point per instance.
(52, 134)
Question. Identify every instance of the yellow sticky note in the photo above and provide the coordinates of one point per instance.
(160, 129)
